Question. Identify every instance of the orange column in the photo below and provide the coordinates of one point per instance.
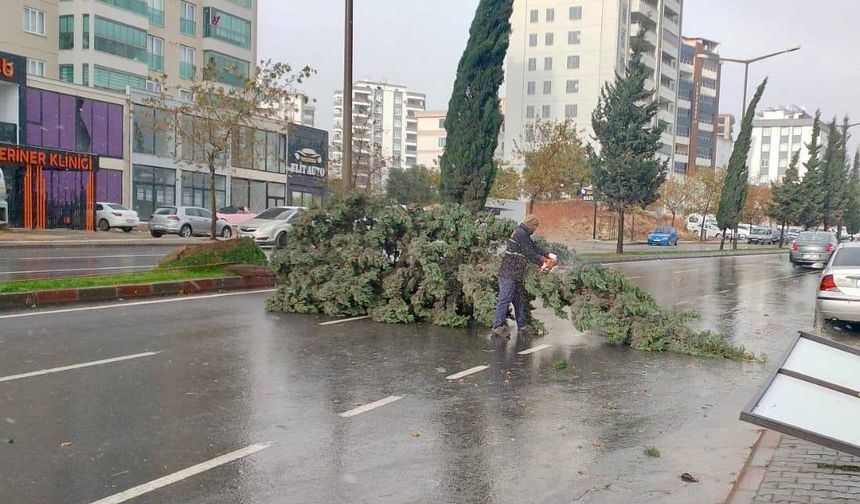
(28, 197)
(90, 202)
(41, 198)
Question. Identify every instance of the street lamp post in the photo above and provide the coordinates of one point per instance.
(346, 145)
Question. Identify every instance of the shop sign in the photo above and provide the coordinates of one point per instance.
(46, 158)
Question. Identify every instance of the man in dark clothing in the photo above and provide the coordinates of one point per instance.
(521, 250)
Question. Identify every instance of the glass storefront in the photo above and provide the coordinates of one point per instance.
(195, 190)
(152, 187)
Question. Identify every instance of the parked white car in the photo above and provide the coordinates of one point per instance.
(113, 215)
(269, 228)
(712, 232)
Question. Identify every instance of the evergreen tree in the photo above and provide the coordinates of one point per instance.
(786, 205)
(410, 186)
(474, 119)
(626, 172)
(735, 190)
(810, 199)
(832, 181)
(852, 207)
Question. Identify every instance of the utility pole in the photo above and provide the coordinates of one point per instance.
(346, 146)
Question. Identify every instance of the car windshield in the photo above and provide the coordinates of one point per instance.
(114, 206)
(663, 229)
(760, 231)
(277, 214)
(165, 211)
(228, 210)
(848, 256)
(814, 236)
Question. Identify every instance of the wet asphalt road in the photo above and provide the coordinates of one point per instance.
(229, 376)
(43, 262)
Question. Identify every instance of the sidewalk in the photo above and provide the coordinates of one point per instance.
(69, 238)
(786, 469)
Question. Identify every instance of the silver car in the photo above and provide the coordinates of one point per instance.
(186, 221)
(839, 290)
(812, 247)
(270, 228)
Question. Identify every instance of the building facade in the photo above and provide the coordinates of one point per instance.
(432, 137)
(562, 52)
(725, 139)
(115, 44)
(698, 106)
(385, 128)
(776, 135)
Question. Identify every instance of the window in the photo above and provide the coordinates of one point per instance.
(709, 83)
(795, 139)
(259, 150)
(228, 70)
(570, 110)
(152, 188)
(443, 141)
(549, 39)
(765, 147)
(547, 87)
(534, 16)
(187, 62)
(153, 86)
(85, 32)
(766, 133)
(33, 21)
(195, 190)
(149, 132)
(67, 73)
(546, 111)
(442, 123)
(116, 80)
(573, 37)
(547, 63)
(550, 15)
(533, 40)
(155, 53)
(187, 18)
(67, 32)
(572, 62)
(120, 39)
(530, 88)
(306, 199)
(532, 64)
(765, 162)
(530, 112)
(783, 155)
(576, 13)
(155, 12)
(783, 147)
(85, 74)
(135, 6)
(572, 86)
(186, 95)
(227, 27)
(35, 67)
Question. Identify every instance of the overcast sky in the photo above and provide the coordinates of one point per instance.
(418, 43)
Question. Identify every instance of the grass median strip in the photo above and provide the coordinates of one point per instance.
(110, 280)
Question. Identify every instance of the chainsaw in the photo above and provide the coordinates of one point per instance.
(549, 263)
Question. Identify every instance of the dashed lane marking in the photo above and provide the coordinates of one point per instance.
(533, 350)
(467, 372)
(371, 406)
(77, 366)
(181, 475)
(685, 271)
(341, 321)
(66, 270)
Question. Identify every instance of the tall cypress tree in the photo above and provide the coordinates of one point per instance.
(474, 119)
(785, 205)
(810, 188)
(735, 189)
(626, 172)
(832, 177)
(852, 207)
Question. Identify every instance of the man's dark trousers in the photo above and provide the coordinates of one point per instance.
(511, 291)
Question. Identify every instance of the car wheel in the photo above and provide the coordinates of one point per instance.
(227, 232)
(126, 230)
(104, 225)
(185, 231)
(281, 240)
(156, 234)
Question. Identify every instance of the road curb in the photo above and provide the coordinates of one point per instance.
(746, 485)
(93, 243)
(659, 257)
(26, 300)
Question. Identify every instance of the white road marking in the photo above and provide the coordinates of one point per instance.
(534, 349)
(181, 475)
(77, 366)
(80, 257)
(135, 303)
(368, 407)
(634, 277)
(685, 271)
(66, 270)
(341, 321)
(466, 372)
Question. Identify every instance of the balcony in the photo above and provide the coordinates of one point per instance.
(188, 27)
(155, 16)
(155, 62)
(187, 70)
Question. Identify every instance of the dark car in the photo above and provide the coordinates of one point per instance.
(812, 247)
(663, 235)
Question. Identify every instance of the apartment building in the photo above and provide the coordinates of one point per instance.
(777, 134)
(562, 52)
(432, 136)
(697, 106)
(385, 127)
(725, 139)
(114, 44)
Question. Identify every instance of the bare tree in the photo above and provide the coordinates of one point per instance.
(222, 101)
(675, 195)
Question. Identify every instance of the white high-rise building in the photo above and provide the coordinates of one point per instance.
(384, 123)
(776, 135)
(562, 52)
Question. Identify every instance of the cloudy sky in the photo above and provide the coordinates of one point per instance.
(418, 43)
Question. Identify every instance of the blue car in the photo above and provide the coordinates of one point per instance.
(663, 235)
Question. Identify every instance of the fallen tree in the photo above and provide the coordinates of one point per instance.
(401, 265)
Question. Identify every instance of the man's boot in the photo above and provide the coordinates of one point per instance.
(501, 331)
